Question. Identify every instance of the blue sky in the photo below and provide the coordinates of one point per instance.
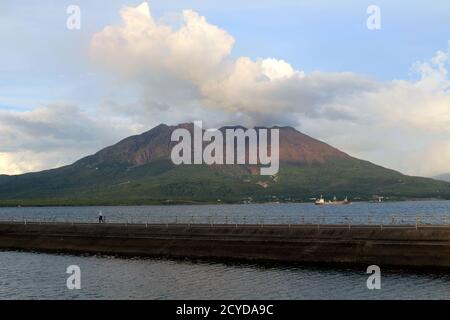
(43, 64)
(37, 49)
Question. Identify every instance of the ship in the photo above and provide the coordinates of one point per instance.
(321, 201)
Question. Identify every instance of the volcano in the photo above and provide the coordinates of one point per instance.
(138, 170)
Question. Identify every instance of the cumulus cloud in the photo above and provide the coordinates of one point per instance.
(192, 66)
(196, 58)
(142, 45)
(52, 136)
(402, 124)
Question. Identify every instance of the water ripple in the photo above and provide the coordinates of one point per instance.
(42, 276)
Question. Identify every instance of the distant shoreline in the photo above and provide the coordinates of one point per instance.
(24, 204)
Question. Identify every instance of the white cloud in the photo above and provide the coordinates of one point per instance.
(142, 45)
(19, 162)
(52, 136)
(402, 124)
(195, 58)
(189, 70)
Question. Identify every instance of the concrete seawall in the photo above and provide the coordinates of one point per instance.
(399, 246)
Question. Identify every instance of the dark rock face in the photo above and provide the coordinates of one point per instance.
(155, 144)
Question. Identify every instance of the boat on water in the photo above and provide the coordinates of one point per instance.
(322, 201)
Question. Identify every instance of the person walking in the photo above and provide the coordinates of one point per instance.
(100, 217)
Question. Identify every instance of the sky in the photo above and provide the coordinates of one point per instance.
(382, 95)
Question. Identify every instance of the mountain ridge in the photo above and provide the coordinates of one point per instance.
(443, 177)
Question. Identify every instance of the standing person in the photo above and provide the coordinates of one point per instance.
(100, 217)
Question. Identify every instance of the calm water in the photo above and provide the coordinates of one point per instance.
(362, 212)
(43, 276)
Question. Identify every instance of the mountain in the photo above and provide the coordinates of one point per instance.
(138, 170)
(443, 177)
